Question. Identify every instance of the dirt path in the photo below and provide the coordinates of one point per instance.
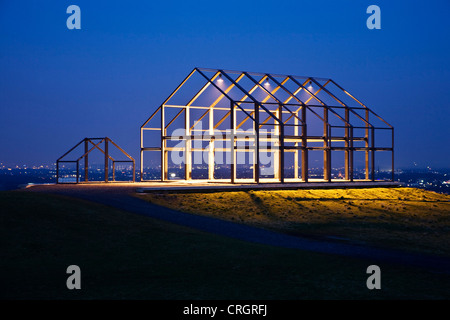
(120, 196)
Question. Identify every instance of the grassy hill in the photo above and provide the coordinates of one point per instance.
(127, 256)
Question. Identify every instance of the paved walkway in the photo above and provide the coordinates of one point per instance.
(119, 196)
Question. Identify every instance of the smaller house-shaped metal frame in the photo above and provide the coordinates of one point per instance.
(91, 144)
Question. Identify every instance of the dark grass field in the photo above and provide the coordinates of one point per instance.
(127, 256)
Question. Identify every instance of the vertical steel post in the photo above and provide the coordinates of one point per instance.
(392, 132)
(367, 145)
(304, 147)
(232, 142)
(296, 146)
(254, 150)
(187, 145)
(86, 162)
(78, 172)
(326, 151)
(281, 143)
(276, 151)
(256, 164)
(163, 145)
(347, 145)
(351, 169)
(211, 145)
(141, 159)
(329, 153)
(372, 154)
(57, 171)
(106, 160)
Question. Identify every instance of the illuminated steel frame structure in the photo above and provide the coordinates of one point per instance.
(286, 105)
(102, 144)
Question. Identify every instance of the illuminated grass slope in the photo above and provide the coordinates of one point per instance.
(402, 218)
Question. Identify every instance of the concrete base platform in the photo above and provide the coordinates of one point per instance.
(183, 186)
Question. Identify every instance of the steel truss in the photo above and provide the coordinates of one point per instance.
(287, 105)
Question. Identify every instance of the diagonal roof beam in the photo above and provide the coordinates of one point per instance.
(65, 154)
(195, 97)
(274, 90)
(179, 86)
(273, 97)
(208, 83)
(263, 101)
(205, 86)
(223, 91)
(200, 119)
(123, 151)
(96, 146)
(320, 101)
(262, 87)
(267, 119)
(370, 110)
(150, 118)
(291, 95)
(221, 120)
(231, 86)
(294, 94)
(175, 117)
(312, 95)
(253, 99)
(302, 87)
(255, 86)
(342, 103)
(220, 98)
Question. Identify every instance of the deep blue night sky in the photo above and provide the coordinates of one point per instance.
(58, 85)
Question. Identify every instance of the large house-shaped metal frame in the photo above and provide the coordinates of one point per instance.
(256, 115)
